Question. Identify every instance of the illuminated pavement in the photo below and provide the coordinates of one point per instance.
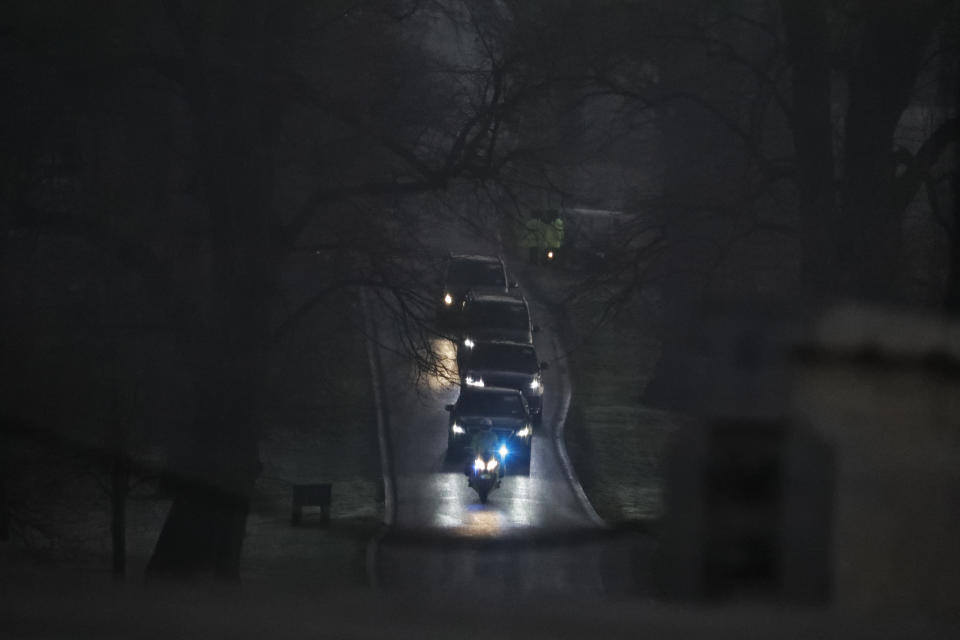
(535, 534)
(432, 491)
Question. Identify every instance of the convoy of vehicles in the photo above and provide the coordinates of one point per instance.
(501, 380)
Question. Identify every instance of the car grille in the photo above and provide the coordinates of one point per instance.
(506, 381)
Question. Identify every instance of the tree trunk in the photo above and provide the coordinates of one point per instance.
(805, 24)
(951, 301)
(214, 467)
(215, 464)
(952, 297)
(4, 499)
(881, 84)
(120, 483)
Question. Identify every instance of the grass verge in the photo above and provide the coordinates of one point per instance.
(615, 443)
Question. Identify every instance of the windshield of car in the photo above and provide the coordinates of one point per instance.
(476, 273)
(497, 315)
(506, 357)
(493, 405)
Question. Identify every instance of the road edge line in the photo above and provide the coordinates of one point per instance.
(386, 468)
(560, 446)
(561, 422)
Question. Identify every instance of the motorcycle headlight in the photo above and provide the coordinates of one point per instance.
(468, 343)
(526, 432)
(473, 382)
(457, 429)
(447, 299)
(535, 383)
(503, 451)
(492, 464)
(479, 465)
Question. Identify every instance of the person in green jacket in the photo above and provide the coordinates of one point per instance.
(532, 238)
(553, 236)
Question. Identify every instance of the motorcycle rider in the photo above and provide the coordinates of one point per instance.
(482, 441)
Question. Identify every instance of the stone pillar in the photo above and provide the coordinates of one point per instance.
(883, 390)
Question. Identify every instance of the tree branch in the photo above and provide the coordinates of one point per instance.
(920, 164)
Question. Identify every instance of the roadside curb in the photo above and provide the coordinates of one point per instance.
(560, 446)
(561, 422)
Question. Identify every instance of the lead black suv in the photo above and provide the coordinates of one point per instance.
(464, 272)
(505, 411)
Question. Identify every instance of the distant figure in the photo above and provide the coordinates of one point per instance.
(553, 236)
(531, 237)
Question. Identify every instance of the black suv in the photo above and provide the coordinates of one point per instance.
(464, 272)
(505, 411)
(493, 316)
(500, 363)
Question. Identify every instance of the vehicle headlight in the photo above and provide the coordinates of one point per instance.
(473, 382)
(503, 451)
(526, 432)
(447, 299)
(492, 464)
(457, 429)
(535, 383)
(468, 343)
(479, 465)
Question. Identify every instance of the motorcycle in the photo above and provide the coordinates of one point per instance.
(486, 472)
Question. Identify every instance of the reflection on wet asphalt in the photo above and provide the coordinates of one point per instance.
(444, 380)
(444, 501)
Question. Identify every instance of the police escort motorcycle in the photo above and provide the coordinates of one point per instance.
(486, 471)
(489, 459)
